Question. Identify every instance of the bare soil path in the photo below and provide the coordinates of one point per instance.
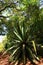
(4, 61)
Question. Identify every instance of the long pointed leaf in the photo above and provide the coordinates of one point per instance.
(17, 41)
(14, 51)
(31, 54)
(8, 50)
(18, 36)
(34, 45)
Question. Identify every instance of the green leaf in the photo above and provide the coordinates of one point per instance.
(15, 51)
(30, 52)
(18, 36)
(34, 46)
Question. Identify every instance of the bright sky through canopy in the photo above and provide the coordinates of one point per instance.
(1, 38)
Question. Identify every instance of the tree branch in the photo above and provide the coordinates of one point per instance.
(1, 16)
(5, 7)
(10, 5)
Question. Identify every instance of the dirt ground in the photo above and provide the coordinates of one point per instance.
(4, 61)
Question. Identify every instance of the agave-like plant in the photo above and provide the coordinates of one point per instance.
(21, 46)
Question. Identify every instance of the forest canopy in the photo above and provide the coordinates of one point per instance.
(20, 10)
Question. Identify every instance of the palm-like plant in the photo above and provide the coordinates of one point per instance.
(20, 42)
(21, 46)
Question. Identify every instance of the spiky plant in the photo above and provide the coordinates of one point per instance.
(21, 46)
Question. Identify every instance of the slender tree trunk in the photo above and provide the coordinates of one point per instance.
(24, 54)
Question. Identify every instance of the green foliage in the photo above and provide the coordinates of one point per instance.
(20, 43)
(24, 29)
